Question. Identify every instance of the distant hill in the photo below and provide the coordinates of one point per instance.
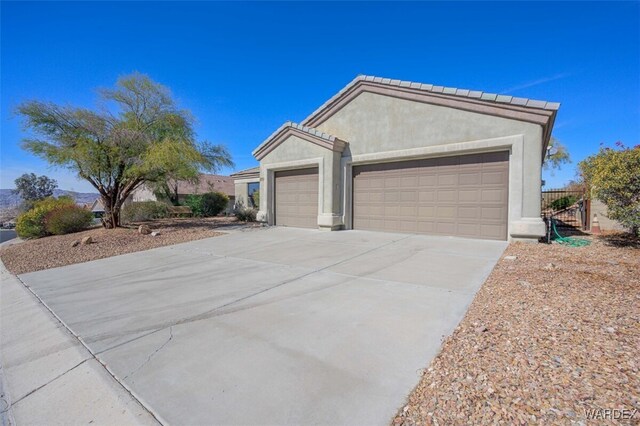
(9, 200)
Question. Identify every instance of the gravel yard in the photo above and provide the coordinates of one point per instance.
(550, 335)
(54, 251)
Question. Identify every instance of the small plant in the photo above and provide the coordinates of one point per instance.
(31, 224)
(563, 202)
(140, 211)
(67, 219)
(255, 199)
(244, 214)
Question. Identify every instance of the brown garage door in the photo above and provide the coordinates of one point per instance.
(464, 196)
(296, 198)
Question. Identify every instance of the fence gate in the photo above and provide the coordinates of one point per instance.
(569, 209)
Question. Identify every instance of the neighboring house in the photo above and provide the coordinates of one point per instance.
(391, 155)
(97, 208)
(206, 183)
(247, 182)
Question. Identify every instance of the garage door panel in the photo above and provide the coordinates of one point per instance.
(460, 195)
(296, 198)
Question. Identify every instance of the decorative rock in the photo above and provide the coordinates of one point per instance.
(144, 229)
(87, 240)
(510, 257)
(155, 233)
(610, 330)
(76, 243)
(550, 266)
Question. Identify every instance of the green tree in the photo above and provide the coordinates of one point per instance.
(214, 157)
(613, 177)
(32, 188)
(137, 136)
(557, 155)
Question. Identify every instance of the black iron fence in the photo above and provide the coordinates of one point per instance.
(569, 209)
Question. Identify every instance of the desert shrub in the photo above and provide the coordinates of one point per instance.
(67, 219)
(214, 203)
(246, 215)
(207, 205)
(563, 202)
(613, 176)
(195, 203)
(31, 224)
(140, 211)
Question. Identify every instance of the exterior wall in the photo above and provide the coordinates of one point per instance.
(382, 128)
(143, 194)
(296, 153)
(242, 191)
(606, 224)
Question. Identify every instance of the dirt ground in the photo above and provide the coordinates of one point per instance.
(54, 251)
(552, 337)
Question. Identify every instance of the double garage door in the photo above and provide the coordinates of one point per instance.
(462, 196)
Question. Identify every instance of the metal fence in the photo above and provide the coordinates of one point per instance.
(569, 209)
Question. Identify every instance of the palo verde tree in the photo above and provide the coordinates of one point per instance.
(557, 155)
(138, 135)
(613, 176)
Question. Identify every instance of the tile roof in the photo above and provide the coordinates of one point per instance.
(453, 91)
(329, 140)
(208, 183)
(246, 173)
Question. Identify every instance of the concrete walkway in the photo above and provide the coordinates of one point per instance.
(277, 326)
(48, 377)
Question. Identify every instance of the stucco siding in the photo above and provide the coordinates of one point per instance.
(374, 123)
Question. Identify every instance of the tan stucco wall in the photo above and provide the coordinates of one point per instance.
(296, 153)
(377, 123)
(242, 191)
(383, 128)
(606, 224)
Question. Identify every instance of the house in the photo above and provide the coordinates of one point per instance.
(398, 156)
(206, 183)
(246, 183)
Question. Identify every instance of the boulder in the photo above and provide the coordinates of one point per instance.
(87, 240)
(144, 229)
(76, 243)
(155, 233)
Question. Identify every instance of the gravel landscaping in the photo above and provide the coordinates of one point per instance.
(552, 334)
(54, 251)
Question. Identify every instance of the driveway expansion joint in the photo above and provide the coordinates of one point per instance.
(144, 406)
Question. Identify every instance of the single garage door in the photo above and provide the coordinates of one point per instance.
(463, 196)
(296, 198)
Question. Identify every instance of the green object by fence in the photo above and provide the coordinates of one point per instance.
(568, 241)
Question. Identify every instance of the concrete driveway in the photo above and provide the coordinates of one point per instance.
(275, 326)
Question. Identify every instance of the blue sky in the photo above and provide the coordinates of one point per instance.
(244, 68)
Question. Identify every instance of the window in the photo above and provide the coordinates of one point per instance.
(253, 188)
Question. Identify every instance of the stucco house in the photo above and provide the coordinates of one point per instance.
(399, 156)
(206, 183)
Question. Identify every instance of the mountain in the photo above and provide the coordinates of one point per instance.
(9, 200)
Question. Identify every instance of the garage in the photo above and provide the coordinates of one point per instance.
(464, 195)
(296, 198)
(415, 158)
